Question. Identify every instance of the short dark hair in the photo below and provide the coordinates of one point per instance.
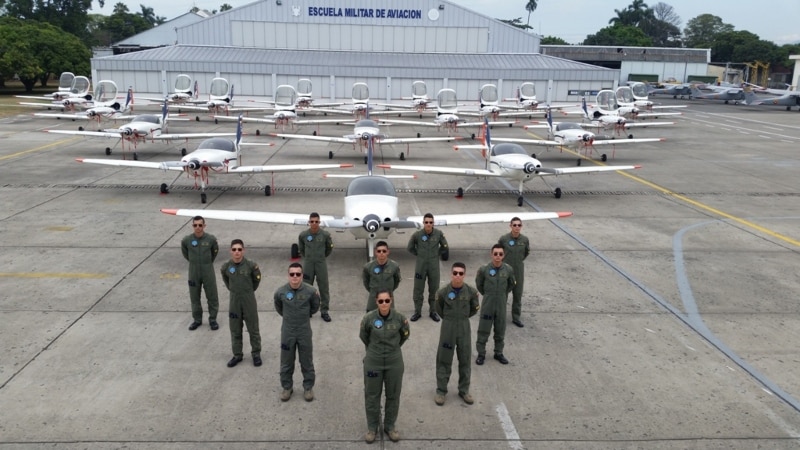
(381, 244)
(200, 218)
(428, 216)
(384, 291)
(515, 219)
(500, 246)
(313, 215)
(237, 241)
(459, 264)
(295, 264)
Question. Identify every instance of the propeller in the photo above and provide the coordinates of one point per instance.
(529, 167)
(194, 164)
(371, 223)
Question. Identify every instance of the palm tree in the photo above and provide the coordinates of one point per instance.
(530, 7)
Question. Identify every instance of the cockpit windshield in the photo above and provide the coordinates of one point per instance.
(371, 185)
(507, 148)
(568, 126)
(218, 144)
(150, 118)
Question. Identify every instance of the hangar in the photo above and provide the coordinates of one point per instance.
(337, 43)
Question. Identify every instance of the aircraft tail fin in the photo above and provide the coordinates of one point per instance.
(230, 98)
(750, 98)
(585, 108)
(239, 127)
(196, 90)
(549, 115)
(487, 142)
(370, 150)
(129, 100)
(165, 114)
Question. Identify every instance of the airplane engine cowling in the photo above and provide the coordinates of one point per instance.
(371, 223)
(529, 167)
(586, 137)
(91, 113)
(128, 131)
(194, 164)
(365, 136)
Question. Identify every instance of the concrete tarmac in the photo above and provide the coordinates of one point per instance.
(663, 314)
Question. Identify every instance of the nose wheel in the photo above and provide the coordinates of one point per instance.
(108, 151)
(267, 191)
(520, 200)
(557, 192)
(183, 152)
(164, 188)
(203, 198)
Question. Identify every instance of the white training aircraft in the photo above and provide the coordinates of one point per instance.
(143, 128)
(285, 111)
(79, 96)
(305, 96)
(419, 99)
(636, 93)
(183, 92)
(489, 105)
(217, 156)
(106, 106)
(370, 212)
(65, 83)
(508, 161)
(575, 136)
(366, 133)
(446, 115)
(360, 106)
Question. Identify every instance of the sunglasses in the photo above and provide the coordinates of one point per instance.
(458, 273)
(295, 274)
(428, 221)
(236, 249)
(516, 225)
(384, 300)
(313, 221)
(497, 254)
(198, 225)
(381, 251)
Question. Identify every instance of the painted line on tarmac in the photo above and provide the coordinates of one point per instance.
(508, 427)
(51, 275)
(43, 147)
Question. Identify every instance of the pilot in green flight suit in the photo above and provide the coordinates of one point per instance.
(242, 277)
(380, 273)
(517, 247)
(494, 281)
(427, 244)
(200, 249)
(315, 244)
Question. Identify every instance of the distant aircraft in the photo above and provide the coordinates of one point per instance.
(366, 132)
(727, 94)
(106, 106)
(419, 99)
(635, 94)
(777, 97)
(305, 97)
(370, 212)
(79, 96)
(489, 105)
(184, 91)
(142, 128)
(675, 90)
(285, 111)
(508, 161)
(215, 156)
(446, 115)
(65, 84)
(359, 107)
(220, 99)
(575, 136)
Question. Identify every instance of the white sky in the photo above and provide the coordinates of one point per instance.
(571, 20)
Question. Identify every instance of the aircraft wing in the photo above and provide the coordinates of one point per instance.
(102, 134)
(296, 122)
(658, 114)
(480, 124)
(501, 217)
(625, 141)
(43, 105)
(166, 165)
(409, 122)
(442, 170)
(647, 124)
(342, 140)
(252, 216)
(526, 141)
(580, 170)
(169, 137)
(63, 116)
(287, 168)
(426, 139)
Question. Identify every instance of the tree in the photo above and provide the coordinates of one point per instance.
(666, 13)
(553, 40)
(622, 35)
(149, 16)
(701, 31)
(69, 15)
(743, 46)
(530, 7)
(225, 7)
(37, 49)
(636, 13)
(516, 23)
(121, 24)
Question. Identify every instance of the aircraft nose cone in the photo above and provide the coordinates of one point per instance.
(586, 137)
(127, 131)
(529, 167)
(372, 223)
(365, 136)
(194, 164)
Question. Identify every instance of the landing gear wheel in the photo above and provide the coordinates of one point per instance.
(472, 136)
(108, 151)
(330, 155)
(604, 157)
(216, 121)
(183, 152)
(80, 128)
(294, 253)
(267, 191)
(203, 197)
(520, 200)
(164, 188)
(630, 136)
(304, 113)
(579, 162)
(557, 193)
(419, 135)
(314, 133)
(258, 132)
(533, 155)
(402, 156)
(510, 125)
(135, 156)
(197, 119)
(460, 193)
(365, 160)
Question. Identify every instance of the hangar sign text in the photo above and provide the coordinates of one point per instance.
(368, 13)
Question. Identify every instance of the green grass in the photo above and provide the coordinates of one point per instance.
(9, 105)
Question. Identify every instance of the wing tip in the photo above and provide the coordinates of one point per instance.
(564, 214)
(80, 160)
(173, 212)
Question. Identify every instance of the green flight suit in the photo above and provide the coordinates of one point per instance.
(201, 252)
(427, 248)
(455, 307)
(516, 250)
(377, 277)
(314, 248)
(494, 284)
(296, 307)
(242, 280)
(383, 365)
